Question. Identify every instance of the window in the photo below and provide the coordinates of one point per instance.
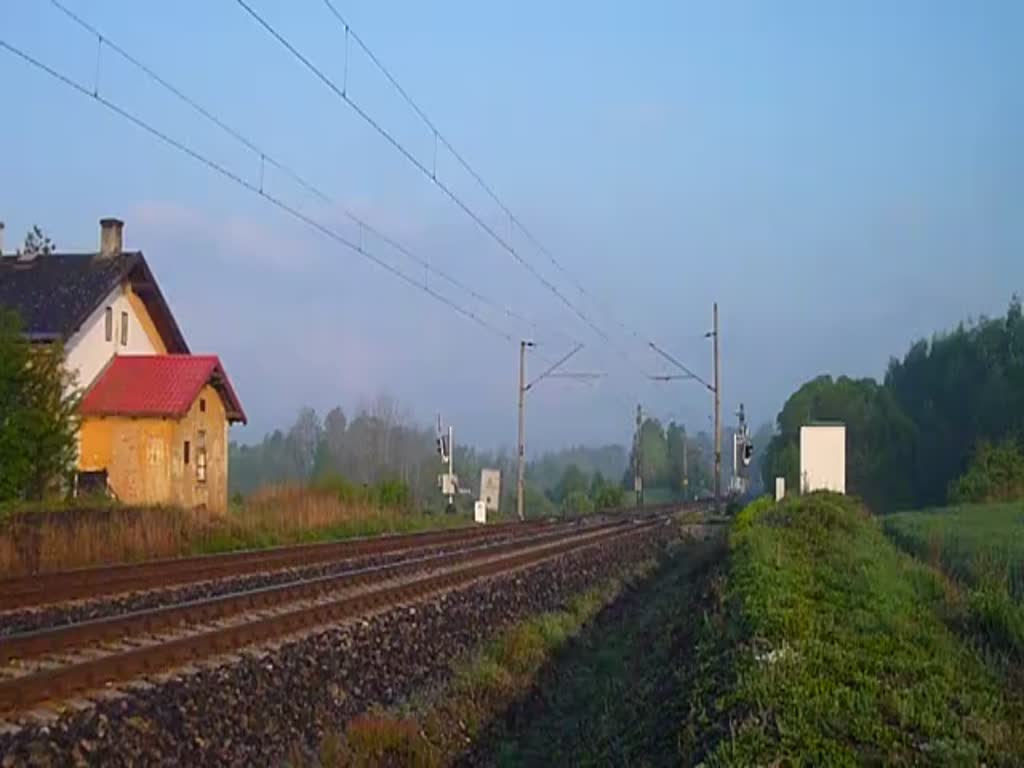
(202, 405)
(108, 319)
(201, 456)
(186, 451)
(124, 329)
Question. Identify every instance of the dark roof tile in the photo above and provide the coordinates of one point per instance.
(55, 293)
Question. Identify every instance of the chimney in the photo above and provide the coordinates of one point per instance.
(110, 238)
(1, 238)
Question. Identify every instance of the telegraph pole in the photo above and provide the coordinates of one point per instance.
(718, 413)
(520, 468)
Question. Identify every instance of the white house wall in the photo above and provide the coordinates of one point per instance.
(88, 351)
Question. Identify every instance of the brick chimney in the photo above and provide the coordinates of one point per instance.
(111, 238)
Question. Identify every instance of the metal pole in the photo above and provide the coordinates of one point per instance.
(718, 415)
(638, 476)
(522, 449)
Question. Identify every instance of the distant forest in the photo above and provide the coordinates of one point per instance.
(911, 436)
(382, 443)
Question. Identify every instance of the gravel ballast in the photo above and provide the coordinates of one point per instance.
(62, 614)
(263, 707)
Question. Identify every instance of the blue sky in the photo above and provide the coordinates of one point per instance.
(841, 177)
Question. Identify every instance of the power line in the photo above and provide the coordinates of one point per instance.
(431, 173)
(266, 158)
(487, 188)
(232, 176)
(440, 137)
(342, 93)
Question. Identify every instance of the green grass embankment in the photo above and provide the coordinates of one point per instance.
(830, 647)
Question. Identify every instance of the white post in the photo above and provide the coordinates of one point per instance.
(451, 465)
(780, 488)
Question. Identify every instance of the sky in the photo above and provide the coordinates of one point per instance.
(841, 178)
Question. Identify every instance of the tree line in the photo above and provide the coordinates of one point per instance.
(912, 436)
(382, 446)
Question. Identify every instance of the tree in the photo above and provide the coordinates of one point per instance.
(38, 422)
(577, 503)
(675, 445)
(996, 473)
(609, 497)
(36, 243)
(879, 437)
(573, 481)
(959, 389)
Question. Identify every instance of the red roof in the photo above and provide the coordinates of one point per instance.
(158, 385)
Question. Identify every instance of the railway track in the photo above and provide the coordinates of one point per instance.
(55, 664)
(45, 589)
(61, 586)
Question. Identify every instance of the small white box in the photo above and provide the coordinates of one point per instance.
(780, 488)
(823, 458)
(480, 511)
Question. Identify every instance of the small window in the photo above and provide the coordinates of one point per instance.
(202, 405)
(201, 456)
(186, 451)
(108, 320)
(124, 329)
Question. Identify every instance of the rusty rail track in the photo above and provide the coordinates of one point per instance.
(59, 586)
(83, 583)
(460, 568)
(32, 644)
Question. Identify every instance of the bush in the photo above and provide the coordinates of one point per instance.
(393, 493)
(996, 473)
(577, 503)
(609, 497)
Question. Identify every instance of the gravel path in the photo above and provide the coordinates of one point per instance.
(267, 706)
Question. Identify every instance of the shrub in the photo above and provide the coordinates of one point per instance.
(577, 503)
(996, 473)
(609, 497)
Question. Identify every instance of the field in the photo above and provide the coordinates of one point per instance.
(832, 647)
(982, 548)
(976, 544)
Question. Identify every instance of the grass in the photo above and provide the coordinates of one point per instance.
(35, 540)
(982, 547)
(830, 647)
(435, 728)
(976, 544)
(612, 698)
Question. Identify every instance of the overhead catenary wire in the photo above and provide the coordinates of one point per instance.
(440, 137)
(431, 173)
(265, 158)
(342, 93)
(514, 220)
(240, 181)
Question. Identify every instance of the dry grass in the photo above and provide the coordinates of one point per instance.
(35, 541)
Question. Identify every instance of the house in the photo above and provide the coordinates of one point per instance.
(154, 417)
